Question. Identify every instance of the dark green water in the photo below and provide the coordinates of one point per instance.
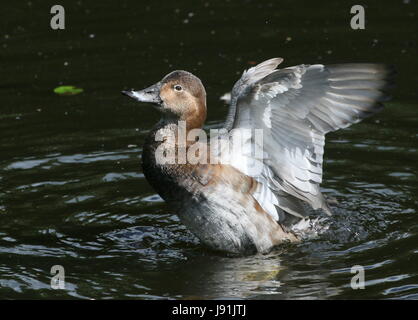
(71, 188)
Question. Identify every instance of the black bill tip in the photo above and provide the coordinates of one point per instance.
(127, 93)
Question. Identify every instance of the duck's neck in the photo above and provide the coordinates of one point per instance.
(195, 118)
(163, 157)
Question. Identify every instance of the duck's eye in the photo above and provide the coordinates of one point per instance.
(178, 87)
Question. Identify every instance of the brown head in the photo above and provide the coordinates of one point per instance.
(179, 96)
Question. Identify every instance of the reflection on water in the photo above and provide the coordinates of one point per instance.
(71, 188)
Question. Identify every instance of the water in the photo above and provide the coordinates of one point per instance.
(71, 188)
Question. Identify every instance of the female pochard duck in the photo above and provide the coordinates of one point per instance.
(246, 201)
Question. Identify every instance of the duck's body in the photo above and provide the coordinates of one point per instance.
(241, 202)
(214, 201)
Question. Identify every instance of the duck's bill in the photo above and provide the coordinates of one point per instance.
(149, 95)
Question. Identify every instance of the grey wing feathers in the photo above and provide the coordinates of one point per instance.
(248, 78)
(296, 107)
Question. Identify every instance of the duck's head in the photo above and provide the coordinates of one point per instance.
(180, 96)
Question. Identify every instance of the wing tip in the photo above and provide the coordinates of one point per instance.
(271, 63)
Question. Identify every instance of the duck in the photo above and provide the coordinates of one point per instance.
(240, 192)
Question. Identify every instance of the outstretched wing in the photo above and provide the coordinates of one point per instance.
(295, 107)
(248, 78)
